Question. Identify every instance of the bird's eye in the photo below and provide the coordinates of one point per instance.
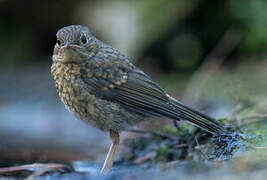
(58, 42)
(83, 39)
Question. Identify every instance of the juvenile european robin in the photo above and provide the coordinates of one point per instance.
(102, 87)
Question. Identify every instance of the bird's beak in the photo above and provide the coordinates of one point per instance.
(66, 53)
(67, 44)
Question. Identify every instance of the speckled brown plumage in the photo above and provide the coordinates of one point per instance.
(101, 87)
(75, 94)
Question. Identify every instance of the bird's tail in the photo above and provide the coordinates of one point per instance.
(197, 118)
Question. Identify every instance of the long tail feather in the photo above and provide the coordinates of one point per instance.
(199, 119)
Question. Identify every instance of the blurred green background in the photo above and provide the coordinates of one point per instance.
(174, 35)
(209, 54)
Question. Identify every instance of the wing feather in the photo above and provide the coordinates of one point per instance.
(133, 89)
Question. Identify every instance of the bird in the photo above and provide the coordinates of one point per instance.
(100, 86)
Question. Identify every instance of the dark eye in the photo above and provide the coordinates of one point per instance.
(58, 42)
(83, 39)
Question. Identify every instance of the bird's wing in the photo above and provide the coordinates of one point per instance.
(117, 80)
(125, 84)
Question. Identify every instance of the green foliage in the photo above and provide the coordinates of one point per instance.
(252, 15)
(161, 155)
(158, 16)
(222, 120)
(186, 127)
(169, 129)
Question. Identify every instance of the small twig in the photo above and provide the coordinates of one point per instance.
(180, 146)
(38, 169)
(32, 167)
(145, 158)
(196, 140)
(198, 147)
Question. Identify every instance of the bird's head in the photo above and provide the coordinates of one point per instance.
(75, 44)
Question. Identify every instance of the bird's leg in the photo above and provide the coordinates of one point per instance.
(115, 138)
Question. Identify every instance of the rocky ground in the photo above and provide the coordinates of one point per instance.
(41, 140)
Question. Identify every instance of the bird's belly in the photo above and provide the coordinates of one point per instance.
(97, 112)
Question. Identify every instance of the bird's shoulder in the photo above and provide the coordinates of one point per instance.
(105, 71)
(107, 64)
(109, 73)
